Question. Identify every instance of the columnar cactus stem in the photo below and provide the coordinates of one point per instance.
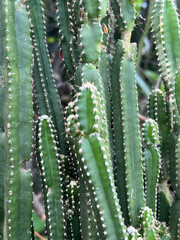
(2, 181)
(127, 127)
(131, 135)
(94, 163)
(49, 162)
(175, 221)
(119, 165)
(73, 229)
(2, 157)
(66, 36)
(93, 167)
(177, 89)
(165, 26)
(89, 227)
(156, 104)
(18, 118)
(46, 93)
(151, 162)
(175, 167)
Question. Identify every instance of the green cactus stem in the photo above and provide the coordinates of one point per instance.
(131, 134)
(175, 221)
(73, 229)
(151, 228)
(105, 76)
(95, 9)
(177, 89)
(99, 177)
(165, 26)
(118, 161)
(156, 104)
(2, 140)
(45, 89)
(89, 227)
(151, 162)
(66, 37)
(90, 41)
(49, 163)
(176, 170)
(26, 205)
(2, 84)
(117, 20)
(2, 182)
(18, 130)
(95, 164)
(127, 12)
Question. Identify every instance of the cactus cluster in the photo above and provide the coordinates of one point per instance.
(102, 177)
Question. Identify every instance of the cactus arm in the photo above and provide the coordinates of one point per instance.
(93, 152)
(151, 162)
(13, 81)
(131, 139)
(144, 33)
(105, 75)
(26, 206)
(127, 12)
(176, 172)
(73, 229)
(119, 165)
(2, 182)
(118, 17)
(177, 89)
(65, 34)
(165, 25)
(156, 104)
(88, 226)
(175, 220)
(95, 8)
(175, 103)
(91, 38)
(2, 97)
(2, 86)
(99, 173)
(26, 111)
(2, 139)
(48, 159)
(39, 94)
(86, 102)
(47, 81)
(83, 208)
(158, 42)
(87, 73)
(100, 229)
(169, 28)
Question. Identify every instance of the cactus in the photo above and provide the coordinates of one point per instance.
(48, 159)
(151, 162)
(18, 120)
(100, 178)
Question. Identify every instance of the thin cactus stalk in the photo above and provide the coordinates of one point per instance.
(45, 90)
(49, 163)
(151, 162)
(18, 120)
(101, 179)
